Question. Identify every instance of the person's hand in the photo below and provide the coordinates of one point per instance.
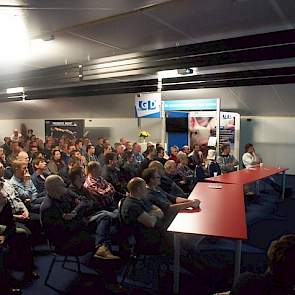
(69, 216)
(196, 203)
(27, 177)
(2, 239)
(25, 215)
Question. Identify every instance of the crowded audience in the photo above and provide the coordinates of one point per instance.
(79, 189)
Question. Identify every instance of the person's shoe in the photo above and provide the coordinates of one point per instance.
(103, 252)
(250, 194)
(15, 291)
(116, 288)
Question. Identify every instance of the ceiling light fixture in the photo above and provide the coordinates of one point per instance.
(15, 90)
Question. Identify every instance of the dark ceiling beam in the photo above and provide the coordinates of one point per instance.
(270, 72)
(230, 79)
(268, 46)
(200, 60)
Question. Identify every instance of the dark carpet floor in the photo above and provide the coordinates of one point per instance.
(206, 269)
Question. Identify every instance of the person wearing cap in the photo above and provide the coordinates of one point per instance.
(213, 167)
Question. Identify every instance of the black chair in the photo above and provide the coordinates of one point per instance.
(139, 254)
(74, 252)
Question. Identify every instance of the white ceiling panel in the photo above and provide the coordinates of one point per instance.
(211, 19)
(287, 95)
(138, 32)
(61, 14)
(262, 100)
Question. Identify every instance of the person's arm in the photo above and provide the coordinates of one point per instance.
(22, 192)
(224, 167)
(148, 220)
(82, 203)
(9, 227)
(184, 204)
(156, 211)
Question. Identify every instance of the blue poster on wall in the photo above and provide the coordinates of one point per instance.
(191, 105)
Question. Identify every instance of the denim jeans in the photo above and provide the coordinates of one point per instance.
(104, 220)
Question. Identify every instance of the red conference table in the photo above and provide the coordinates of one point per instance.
(249, 175)
(222, 214)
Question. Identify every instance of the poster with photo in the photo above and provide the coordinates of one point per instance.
(202, 129)
(202, 126)
(66, 128)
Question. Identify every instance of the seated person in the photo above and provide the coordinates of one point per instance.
(170, 168)
(106, 149)
(19, 210)
(279, 278)
(3, 157)
(64, 223)
(24, 187)
(120, 151)
(16, 242)
(112, 173)
(24, 156)
(102, 191)
(167, 183)
(213, 167)
(251, 160)
(137, 152)
(186, 173)
(40, 174)
(196, 157)
(131, 167)
(150, 155)
(143, 218)
(173, 154)
(72, 163)
(186, 149)
(169, 204)
(226, 161)
(90, 153)
(56, 165)
(160, 155)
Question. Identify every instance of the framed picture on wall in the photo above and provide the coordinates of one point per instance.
(66, 128)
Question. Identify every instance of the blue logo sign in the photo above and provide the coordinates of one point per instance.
(147, 105)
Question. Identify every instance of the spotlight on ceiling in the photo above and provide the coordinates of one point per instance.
(15, 90)
(187, 71)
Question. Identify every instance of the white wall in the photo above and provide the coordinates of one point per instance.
(273, 138)
(7, 126)
(116, 112)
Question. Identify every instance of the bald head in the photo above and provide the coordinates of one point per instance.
(23, 156)
(55, 186)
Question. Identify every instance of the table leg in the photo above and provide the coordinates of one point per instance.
(176, 263)
(238, 249)
(257, 187)
(283, 185)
